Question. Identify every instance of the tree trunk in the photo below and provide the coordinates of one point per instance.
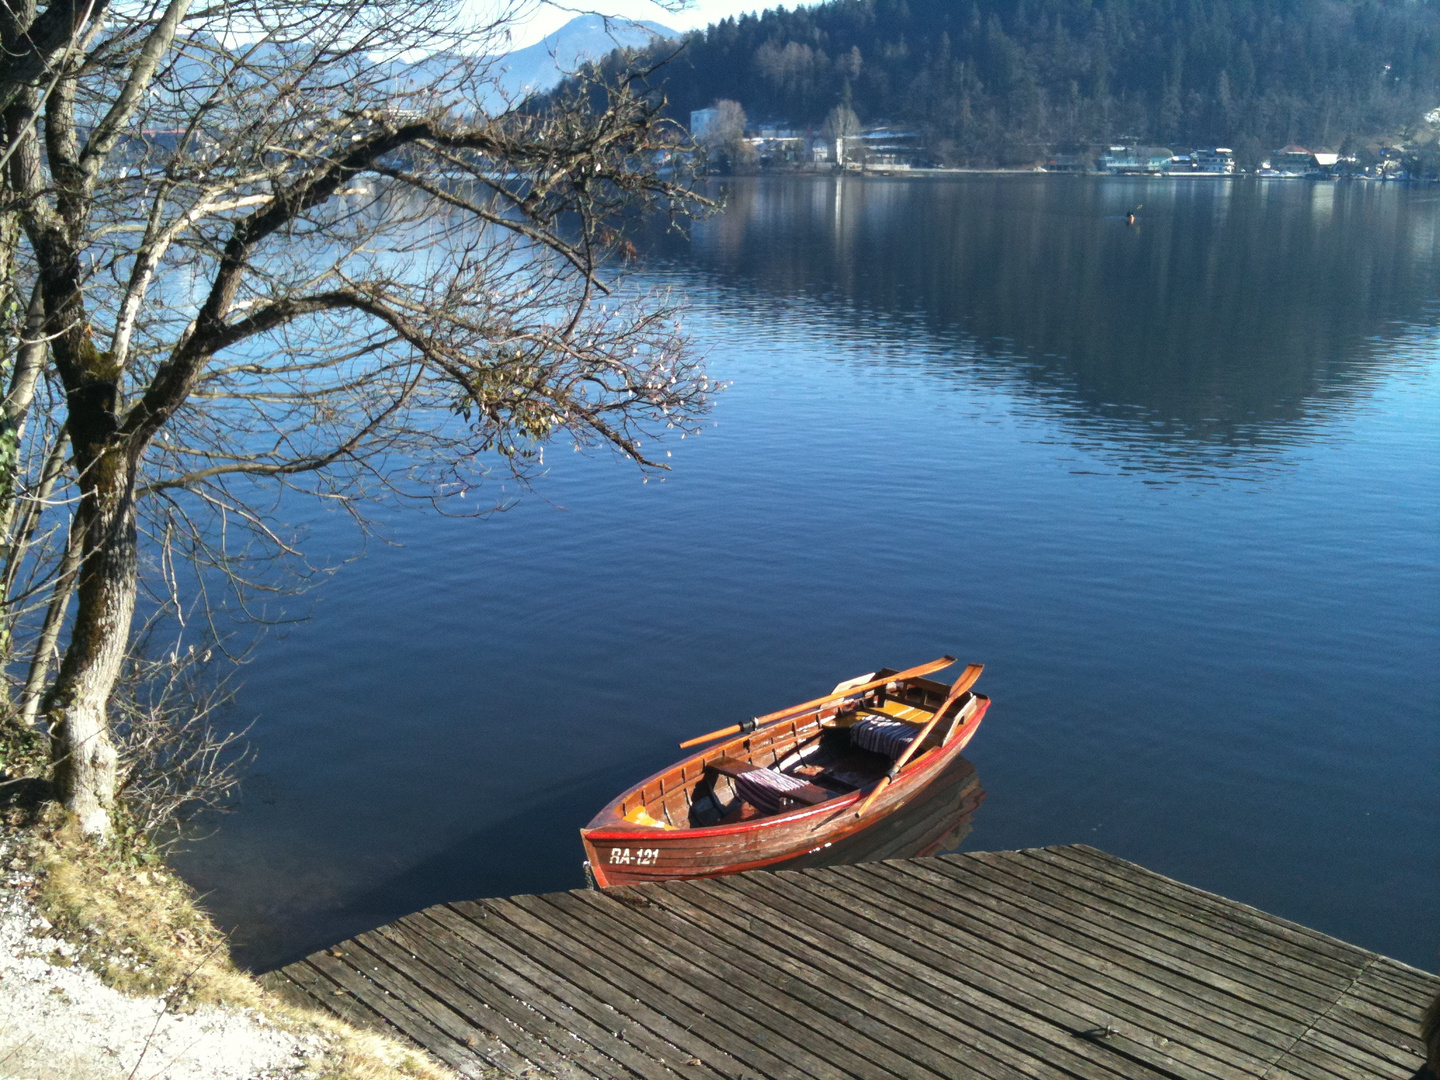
(45, 644)
(82, 752)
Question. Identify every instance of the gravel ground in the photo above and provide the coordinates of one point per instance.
(60, 1022)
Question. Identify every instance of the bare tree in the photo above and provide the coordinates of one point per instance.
(34, 47)
(724, 135)
(264, 251)
(35, 39)
(841, 124)
(728, 125)
(172, 760)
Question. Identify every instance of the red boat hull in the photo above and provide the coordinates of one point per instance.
(621, 854)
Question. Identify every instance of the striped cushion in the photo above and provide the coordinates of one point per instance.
(888, 737)
(763, 788)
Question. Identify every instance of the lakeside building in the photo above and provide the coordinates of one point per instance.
(776, 145)
(1219, 161)
(1376, 162)
(877, 148)
(824, 150)
(1295, 160)
(703, 122)
(887, 148)
(1135, 159)
(1070, 162)
(779, 145)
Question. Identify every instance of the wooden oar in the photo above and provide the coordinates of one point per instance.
(751, 725)
(966, 680)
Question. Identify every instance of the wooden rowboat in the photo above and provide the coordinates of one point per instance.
(819, 773)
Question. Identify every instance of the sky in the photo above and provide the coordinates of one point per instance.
(545, 16)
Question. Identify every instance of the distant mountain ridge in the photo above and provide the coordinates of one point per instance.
(510, 78)
(540, 67)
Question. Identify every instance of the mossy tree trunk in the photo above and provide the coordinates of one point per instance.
(82, 750)
(105, 459)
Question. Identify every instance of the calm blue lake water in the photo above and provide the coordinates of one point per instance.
(1177, 486)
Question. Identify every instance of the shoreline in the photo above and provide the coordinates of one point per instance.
(891, 173)
(111, 970)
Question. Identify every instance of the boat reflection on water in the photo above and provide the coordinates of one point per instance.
(937, 820)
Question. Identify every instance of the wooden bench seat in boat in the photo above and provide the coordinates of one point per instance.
(811, 794)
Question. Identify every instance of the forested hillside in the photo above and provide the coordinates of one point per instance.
(997, 79)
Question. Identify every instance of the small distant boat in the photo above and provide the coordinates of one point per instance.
(790, 783)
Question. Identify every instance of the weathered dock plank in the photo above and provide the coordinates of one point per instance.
(1048, 964)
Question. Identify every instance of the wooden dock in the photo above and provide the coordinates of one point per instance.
(1048, 963)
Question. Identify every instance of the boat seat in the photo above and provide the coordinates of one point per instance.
(882, 736)
(765, 789)
(729, 766)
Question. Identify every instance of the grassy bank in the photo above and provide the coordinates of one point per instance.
(127, 917)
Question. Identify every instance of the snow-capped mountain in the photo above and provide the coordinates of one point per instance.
(541, 66)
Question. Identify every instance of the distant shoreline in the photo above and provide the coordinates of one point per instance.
(889, 172)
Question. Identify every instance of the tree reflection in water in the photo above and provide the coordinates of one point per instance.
(1295, 294)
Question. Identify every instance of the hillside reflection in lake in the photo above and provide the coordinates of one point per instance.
(1177, 486)
(1229, 307)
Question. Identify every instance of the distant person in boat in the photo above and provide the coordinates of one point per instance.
(1130, 217)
